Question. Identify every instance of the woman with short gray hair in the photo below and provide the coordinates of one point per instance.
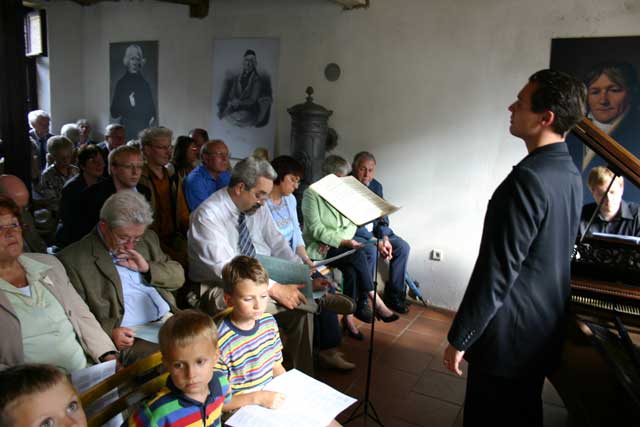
(49, 188)
(325, 226)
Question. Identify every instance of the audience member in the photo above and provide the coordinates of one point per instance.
(122, 274)
(212, 175)
(183, 160)
(113, 138)
(156, 146)
(72, 200)
(391, 247)
(85, 132)
(13, 187)
(195, 392)
(616, 216)
(72, 133)
(283, 207)
(125, 167)
(200, 136)
(43, 318)
(49, 189)
(39, 120)
(233, 221)
(325, 226)
(38, 395)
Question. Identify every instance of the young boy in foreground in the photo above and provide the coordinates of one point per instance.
(194, 392)
(250, 347)
(38, 395)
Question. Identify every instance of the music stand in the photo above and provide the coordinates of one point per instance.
(366, 404)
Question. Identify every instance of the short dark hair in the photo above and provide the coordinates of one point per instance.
(560, 93)
(286, 165)
(199, 131)
(8, 204)
(243, 268)
(179, 156)
(86, 153)
(249, 52)
(21, 381)
(185, 326)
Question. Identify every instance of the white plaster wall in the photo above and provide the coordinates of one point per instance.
(425, 86)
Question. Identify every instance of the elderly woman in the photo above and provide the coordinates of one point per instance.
(92, 167)
(43, 319)
(324, 225)
(282, 205)
(49, 189)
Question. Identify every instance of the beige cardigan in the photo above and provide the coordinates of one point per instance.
(91, 336)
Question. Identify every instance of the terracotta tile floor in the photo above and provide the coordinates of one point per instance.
(410, 387)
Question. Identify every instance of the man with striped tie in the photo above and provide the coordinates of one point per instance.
(232, 222)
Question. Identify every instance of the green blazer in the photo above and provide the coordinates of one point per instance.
(323, 224)
(94, 275)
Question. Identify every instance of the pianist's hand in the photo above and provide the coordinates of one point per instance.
(452, 358)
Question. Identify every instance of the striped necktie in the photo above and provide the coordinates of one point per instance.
(244, 237)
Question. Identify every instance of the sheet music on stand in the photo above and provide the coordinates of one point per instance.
(353, 199)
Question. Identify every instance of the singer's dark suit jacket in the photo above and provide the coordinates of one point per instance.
(510, 321)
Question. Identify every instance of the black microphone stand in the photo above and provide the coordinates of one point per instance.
(368, 410)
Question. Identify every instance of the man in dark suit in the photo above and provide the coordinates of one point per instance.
(390, 246)
(122, 274)
(510, 323)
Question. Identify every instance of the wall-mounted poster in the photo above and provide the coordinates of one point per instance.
(609, 68)
(244, 91)
(134, 85)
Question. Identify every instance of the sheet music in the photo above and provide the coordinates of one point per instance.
(320, 264)
(148, 331)
(86, 378)
(283, 271)
(309, 403)
(353, 199)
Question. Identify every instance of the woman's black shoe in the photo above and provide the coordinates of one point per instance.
(364, 314)
(392, 318)
(359, 336)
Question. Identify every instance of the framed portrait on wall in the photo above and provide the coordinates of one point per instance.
(245, 74)
(609, 68)
(133, 74)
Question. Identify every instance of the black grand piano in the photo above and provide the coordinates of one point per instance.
(599, 379)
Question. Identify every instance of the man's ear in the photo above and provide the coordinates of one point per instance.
(547, 119)
(238, 188)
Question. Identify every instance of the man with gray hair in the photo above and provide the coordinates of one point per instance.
(234, 221)
(39, 121)
(122, 274)
(113, 138)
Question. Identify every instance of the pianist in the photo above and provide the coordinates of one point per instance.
(616, 216)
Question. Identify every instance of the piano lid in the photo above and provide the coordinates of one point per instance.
(618, 157)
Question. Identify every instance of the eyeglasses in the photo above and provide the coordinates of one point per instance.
(162, 147)
(217, 154)
(294, 179)
(7, 228)
(131, 166)
(260, 197)
(125, 240)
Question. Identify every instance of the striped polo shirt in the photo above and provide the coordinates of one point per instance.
(247, 357)
(171, 408)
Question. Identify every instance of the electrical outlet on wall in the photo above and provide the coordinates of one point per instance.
(436, 255)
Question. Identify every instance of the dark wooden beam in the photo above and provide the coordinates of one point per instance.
(197, 8)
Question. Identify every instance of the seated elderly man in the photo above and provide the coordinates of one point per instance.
(125, 167)
(43, 318)
(85, 132)
(391, 247)
(210, 176)
(234, 221)
(163, 187)
(13, 187)
(123, 275)
(616, 216)
(39, 121)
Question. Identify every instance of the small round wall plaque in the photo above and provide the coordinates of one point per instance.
(332, 72)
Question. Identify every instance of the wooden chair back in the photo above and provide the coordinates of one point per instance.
(133, 383)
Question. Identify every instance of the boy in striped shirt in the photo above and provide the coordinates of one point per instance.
(195, 393)
(250, 347)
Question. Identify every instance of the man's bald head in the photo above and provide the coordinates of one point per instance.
(13, 187)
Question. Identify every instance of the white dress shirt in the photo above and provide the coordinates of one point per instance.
(213, 237)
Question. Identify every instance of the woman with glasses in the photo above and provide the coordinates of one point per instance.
(283, 207)
(43, 318)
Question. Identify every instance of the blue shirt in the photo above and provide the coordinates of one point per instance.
(285, 217)
(142, 303)
(199, 185)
